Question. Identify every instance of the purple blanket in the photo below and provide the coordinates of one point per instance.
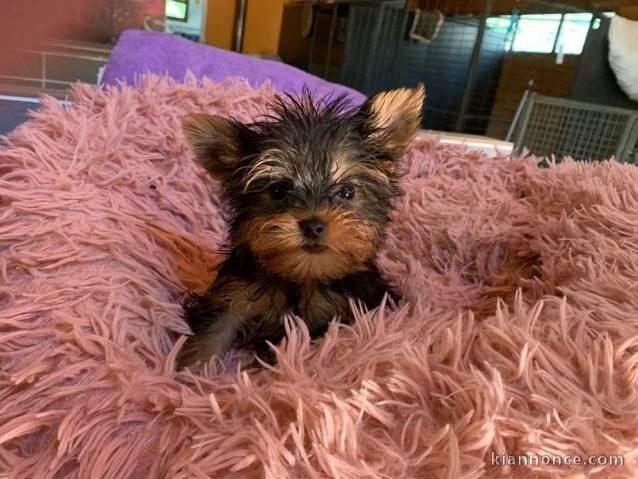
(139, 52)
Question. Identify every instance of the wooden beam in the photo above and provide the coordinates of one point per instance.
(220, 23)
(629, 12)
(263, 26)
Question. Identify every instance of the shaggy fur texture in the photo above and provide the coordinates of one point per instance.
(105, 223)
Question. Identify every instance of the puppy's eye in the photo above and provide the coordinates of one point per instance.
(346, 192)
(280, 189)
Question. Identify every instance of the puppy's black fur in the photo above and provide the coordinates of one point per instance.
(308, 192)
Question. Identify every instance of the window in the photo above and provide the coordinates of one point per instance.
(573, 33)
(536, 33)
(176, 10)
(505, 23)
(546, 33)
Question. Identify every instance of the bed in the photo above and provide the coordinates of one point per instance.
(517, 335)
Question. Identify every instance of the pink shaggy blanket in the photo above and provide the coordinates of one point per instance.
(105, 222)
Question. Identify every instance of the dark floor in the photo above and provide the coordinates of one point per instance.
(13, 113)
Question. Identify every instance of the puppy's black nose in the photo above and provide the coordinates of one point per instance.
(312, 228)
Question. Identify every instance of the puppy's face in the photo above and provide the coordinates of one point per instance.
(310, 188)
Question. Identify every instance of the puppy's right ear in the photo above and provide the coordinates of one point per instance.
(217, 142)
(393, 118)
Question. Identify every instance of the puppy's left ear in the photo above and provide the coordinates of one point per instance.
(393, 118)
(219, 143)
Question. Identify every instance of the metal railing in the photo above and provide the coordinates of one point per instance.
(94, 58)
(549, 126)
(373, 35)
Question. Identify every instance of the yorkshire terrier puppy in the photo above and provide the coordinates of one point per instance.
(308, 192)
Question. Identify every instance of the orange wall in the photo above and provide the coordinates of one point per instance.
(220, 23)
(263, 26)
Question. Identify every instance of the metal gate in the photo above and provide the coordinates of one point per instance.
(476, 57)
(559, 127)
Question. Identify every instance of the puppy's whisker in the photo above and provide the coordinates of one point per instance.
(241, 170)
(345, 172)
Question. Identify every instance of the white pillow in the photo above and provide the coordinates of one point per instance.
(623, 54)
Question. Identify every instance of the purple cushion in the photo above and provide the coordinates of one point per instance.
(139, 52)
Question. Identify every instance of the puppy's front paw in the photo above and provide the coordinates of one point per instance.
(191, 355)
(214, 341)
(394, 296)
